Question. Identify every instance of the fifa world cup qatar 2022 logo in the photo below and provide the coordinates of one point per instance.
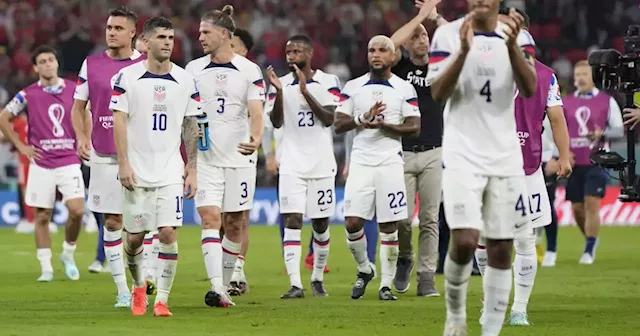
(56, 115)
(583, 115)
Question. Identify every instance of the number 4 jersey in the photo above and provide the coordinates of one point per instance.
(479, 119)
(307, 144)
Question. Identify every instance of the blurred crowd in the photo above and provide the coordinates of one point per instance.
(565, 31)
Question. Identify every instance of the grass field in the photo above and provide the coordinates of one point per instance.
(569, 299)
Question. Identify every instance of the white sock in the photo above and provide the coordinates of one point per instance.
(113, 251)
(358, 246)
(230, 251)
(497, 288)
(456, 283)
(388, 257)
(44, 256)
(292, 252)
(525, 267)
(68, 249)
(146, 255)
(320, 254)
(135, 262)
(153, 257)
(481, 258)
(238, 271)
(212, 253)
(168, 262)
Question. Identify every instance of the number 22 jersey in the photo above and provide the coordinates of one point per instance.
(479, 119)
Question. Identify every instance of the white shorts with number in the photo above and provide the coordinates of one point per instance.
(230, 189)
(43, 182)
(539, 207)
(147, 209)
(105, 190)
(376, 190)
(495, 206)
(312, 197)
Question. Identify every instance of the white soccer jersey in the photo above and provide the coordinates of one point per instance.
(479, 120)
(373, 147)
(225, 90)
(307, 145)
(156, 107)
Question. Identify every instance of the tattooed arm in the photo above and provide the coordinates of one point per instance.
(190, 139)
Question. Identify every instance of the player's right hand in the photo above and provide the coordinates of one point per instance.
(30, 152)
(127, 179)
(84, 149)
(273, 78)
(564, 167)
(375, 110)
(466, 32)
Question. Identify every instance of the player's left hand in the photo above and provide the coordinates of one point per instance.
(514, 22)
(631, 116)
(190, 183)
(247, 148)
(302, 79)
(375, 123)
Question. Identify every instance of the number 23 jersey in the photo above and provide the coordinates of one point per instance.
(479, 119)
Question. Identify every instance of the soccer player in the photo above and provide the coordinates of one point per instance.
(303, 108)
(153, 103)
(54, 163)
(592, 117)
(232, 90)
(476, 64)
(95, 137)
(383, 108)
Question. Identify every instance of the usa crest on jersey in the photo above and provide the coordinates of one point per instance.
(159, 92)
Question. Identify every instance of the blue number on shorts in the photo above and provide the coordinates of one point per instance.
(306, 119)
(486, 90)
(179, 200)
(520, 206)
(245, 190)
(325, 193)
(221, 107)
(536, 198)
(159, 122)
(396, 200)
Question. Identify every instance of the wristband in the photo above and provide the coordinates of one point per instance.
(358, 120)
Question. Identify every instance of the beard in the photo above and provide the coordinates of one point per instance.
(378, 73)
(301, 65)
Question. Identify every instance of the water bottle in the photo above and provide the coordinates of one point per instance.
(203, 125)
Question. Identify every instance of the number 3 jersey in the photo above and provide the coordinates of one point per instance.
(225, 90)
(307, 145)
(49, 121)
(156, 106)
(479, 119)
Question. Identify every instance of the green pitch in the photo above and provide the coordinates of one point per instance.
(568, 300)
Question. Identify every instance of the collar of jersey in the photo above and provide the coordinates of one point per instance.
(54, 88)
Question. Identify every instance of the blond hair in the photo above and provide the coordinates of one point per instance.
(383, 40)
(221, 18)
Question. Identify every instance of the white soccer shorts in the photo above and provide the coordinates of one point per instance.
(539, 207)
(376, 190)
(312, 197)
(105, 190)
(496, 206)
(147, 209)
(43, 182)
(230, 189)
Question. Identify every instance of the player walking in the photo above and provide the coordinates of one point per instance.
(375, 184)
(232, 97)
(51, 147)
(483, 182)
(95, 137)
(147, 136)
(303, 107)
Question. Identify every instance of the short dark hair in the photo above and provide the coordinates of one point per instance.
(43, 49)
(221, 18)
(302, 39)
(527, 20)
(156, 22)
(124, 12)
(245, 37)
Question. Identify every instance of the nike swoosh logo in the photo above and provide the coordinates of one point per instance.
(199, 108)
(535, 219)
(519, 226)
(114, 101)
(397, 212)
(178, 217)
(324, 209)
(525, 274)
(243, 203)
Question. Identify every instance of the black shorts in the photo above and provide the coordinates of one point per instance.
(586, 181)
(551, 182)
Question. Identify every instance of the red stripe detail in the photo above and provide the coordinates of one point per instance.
(168, 256)
(389, 243)
(436, 59)
(224, 250)
(155, 236)
(210, 240)
(361, 236)
(241, 257)
(113, 243)
(480, 247)
(70, 243)
(321, 243)
(148, 241)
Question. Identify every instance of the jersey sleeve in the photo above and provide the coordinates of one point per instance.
(345, 102)
(554, 98)
(528, 45)
(271, 100)
(82, 87)
(410, 103)
(119, 97)
(331, 96)
(441, 54)
(18, 103)
(194, 107)
(256, 88)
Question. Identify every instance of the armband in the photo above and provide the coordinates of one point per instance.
(358, 120)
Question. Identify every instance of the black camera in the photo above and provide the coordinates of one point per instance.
(615, 72)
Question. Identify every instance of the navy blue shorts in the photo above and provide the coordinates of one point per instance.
(586, 181)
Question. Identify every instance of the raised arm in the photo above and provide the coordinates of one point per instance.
(277, 110)
(403, 34)
(522, 63)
